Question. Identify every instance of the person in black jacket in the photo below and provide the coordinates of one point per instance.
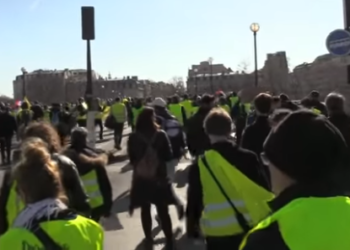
(254, 135)
(337, 116)
(157, 189)
(197, 139)
(8, 127)
(73, 188)
(87, 160)
(218, 126)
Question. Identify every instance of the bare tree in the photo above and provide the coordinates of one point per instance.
(243, 66)
(178, 83)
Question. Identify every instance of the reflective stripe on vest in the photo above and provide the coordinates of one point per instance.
(92, 189)
(14, 205)
(176, 110)
(118, 112)
(219, 218)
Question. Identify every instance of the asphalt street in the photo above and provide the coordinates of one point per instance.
(123, 232)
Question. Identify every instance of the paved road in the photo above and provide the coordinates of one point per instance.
(123, 232)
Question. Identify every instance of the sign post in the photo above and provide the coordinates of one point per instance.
(338, 42)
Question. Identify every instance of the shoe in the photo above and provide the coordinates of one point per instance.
(170, 245)
(148, 244)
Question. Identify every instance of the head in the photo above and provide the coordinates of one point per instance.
(277, 116)
(146, 122)
(37, 176)
(79, 137)
(117, 99)
(185, 97)
(218, 125)
(263, 104)
(207, 101)
(175, 99)
(307, 149)
(222, 100)
(24, 105)
(283, 98)
(335, 103)
(159, 103)
(314, 95)
(45, 132)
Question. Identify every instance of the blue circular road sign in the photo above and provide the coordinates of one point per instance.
(338, 43)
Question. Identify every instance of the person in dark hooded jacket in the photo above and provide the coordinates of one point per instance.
(197, 139)
(87, 160)
(336, 114)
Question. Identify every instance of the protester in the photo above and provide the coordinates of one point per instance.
(46, 221)
(8, 127)
(225, 167)
(149, 150)
(91, 166)
(309, 165)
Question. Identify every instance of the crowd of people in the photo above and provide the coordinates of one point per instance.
(264, 174)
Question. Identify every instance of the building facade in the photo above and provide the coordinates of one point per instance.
(57, 86)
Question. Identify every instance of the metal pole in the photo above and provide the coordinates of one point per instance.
(88, 91)
(211, 78)
(255, 60)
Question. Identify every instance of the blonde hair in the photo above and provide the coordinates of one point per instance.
(37, 176)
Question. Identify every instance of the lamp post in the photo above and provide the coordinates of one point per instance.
(195, 81)
(24, 87)
(210, 60)
(254, 27)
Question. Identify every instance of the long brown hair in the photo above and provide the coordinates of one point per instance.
(46, 132)
(37, 176)
(146, 123)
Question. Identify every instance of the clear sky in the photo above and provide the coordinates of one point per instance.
(159, 39)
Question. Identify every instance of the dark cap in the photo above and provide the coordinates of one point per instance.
(306, 146)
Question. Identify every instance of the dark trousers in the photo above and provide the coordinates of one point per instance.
(224, 243)
(118, 133)
(98, 122)
(164, 217)
(5, 148)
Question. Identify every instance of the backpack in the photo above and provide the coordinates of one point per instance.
(146, 168)
(171, 126)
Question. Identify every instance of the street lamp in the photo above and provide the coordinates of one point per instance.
(24, 87)
(210, 60)
(254, 27)
(195, 81)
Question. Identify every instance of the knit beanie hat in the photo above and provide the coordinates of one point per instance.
(307, 146)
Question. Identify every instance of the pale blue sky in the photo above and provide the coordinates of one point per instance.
(159, 39)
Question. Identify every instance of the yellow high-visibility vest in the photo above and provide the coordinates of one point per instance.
(118, 112)
(92, 189)
(219, 218)
(303, 224)
(176, 110)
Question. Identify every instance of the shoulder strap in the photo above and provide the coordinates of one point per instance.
(45, 239)
(241, 220)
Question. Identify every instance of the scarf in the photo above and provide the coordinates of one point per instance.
(42, 209)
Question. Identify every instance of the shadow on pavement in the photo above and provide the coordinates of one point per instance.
(181, 177)
(112, 223)
(126, 168)
(116, 158)
(121, 203)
